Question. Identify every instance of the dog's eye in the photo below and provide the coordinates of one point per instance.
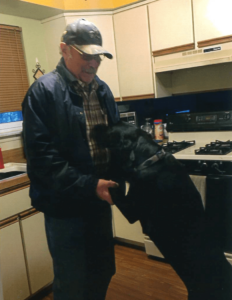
(126, 144)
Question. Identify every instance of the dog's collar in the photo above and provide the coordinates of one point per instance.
(150, 161)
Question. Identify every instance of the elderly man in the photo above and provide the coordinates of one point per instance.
(68, 172)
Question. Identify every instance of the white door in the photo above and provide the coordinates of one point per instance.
(170, 23)
(13, 274)
(39, 261)
(134, 53)
(212, 19)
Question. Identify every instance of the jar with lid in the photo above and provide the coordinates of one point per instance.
(158, 129)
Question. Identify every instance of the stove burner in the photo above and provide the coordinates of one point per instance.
(215, 148)
(173, 147)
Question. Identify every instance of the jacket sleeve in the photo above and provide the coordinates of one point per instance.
(47, 167)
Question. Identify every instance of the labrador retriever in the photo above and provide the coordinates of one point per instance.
(169, 207)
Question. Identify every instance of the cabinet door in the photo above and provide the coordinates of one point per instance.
(170, 24)
(39, 261)
(133, 53)
(212, 19)
(14, 203)
(13, 275)
(123, 229)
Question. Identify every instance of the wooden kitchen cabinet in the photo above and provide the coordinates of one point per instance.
(212, 19)
(39, 262)
(171, 26)
(134, 53)
(13, 273)
(14, 202)
(25, 261)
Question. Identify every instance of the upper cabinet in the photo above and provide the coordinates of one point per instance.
(134, 55)
(212, 21)
(171, 26)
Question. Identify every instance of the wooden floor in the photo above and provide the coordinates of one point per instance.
(141, 278)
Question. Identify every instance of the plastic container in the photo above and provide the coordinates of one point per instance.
(158, 129)
(1, 160)
(148, 126)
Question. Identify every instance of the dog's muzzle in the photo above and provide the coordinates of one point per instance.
(150, 161)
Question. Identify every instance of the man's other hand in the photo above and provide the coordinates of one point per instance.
(103, 190)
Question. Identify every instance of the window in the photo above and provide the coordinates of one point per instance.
(13, 80)
(13, 73)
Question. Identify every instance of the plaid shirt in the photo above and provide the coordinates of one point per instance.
(94, 115)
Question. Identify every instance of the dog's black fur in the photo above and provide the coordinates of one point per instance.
(169, 207)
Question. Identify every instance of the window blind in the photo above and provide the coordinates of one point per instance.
(13, 73)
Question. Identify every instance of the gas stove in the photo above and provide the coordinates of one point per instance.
(202, 141)
(202, 145)
(205, 136)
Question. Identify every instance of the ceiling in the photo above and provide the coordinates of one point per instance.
(27, 10)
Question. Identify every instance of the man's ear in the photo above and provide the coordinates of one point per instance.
(65, 51)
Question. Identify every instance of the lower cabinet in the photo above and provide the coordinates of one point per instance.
(13, 273)
(25, 261)
(38, 259)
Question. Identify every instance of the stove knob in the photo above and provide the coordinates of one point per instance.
(216, 167)
(204, 166)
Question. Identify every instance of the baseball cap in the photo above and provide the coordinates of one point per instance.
(85, 36)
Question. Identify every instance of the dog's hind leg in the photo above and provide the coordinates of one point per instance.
(178, 227)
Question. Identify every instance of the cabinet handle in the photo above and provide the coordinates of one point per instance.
(28, 213)
(173, 50)
(9, 221)
(220, 40)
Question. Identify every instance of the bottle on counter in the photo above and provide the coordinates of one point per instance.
(148, 126)
(158, 129)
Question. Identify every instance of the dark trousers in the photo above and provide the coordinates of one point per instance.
(83, 254)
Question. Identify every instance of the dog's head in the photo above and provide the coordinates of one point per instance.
(129, 144)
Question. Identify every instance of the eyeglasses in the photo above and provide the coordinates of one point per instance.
(88, 57)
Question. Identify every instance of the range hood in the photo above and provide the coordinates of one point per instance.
(198, 57)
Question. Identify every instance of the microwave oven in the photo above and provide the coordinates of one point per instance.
(129, 117)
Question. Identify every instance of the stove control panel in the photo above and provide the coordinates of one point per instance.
(210, 121)
(207, 167)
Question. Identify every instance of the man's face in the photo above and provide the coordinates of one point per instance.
(82, 69)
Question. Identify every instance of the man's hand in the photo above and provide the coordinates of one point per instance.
(102, 190)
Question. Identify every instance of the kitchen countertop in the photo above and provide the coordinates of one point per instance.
(8, 185)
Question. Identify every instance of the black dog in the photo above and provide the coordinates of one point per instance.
(169, 207)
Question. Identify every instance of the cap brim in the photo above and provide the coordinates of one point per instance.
(93, 50)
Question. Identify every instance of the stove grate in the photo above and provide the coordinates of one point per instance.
(174, 147)
(215, 148)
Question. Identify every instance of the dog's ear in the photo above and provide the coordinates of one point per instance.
(132, 156)
(99, 133)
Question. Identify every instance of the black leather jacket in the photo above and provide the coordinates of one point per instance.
(59, 164)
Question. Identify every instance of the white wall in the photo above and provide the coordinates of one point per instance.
(53, 30)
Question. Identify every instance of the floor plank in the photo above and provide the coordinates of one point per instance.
(139, 277)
